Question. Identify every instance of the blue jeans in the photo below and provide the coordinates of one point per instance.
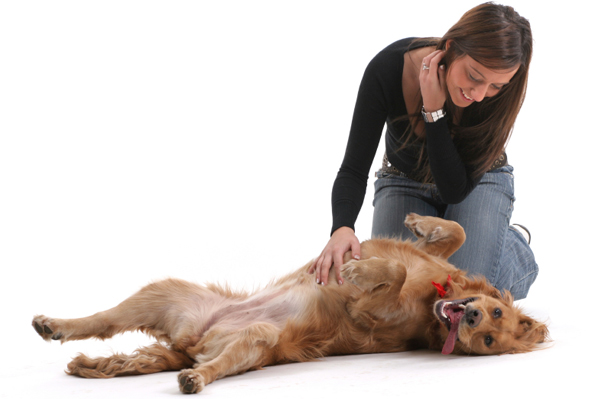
(492, 248)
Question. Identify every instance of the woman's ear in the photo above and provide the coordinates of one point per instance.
(448, 42)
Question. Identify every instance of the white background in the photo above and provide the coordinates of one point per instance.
(200, 140)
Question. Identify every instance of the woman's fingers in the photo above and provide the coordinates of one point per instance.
(432, 80)
(341, 241)
(323, 272)
(335, 262)
(338, 260)
(430, 66)
(438, 55)
(428, 59)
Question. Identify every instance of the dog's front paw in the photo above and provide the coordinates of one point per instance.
(351, 271)
(46, 327)
(424, 226)
(190, 381)
(368, 274)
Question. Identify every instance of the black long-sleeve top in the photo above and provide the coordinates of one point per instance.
(380, 101)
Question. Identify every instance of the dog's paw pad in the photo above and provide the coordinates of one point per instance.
(44, 326)
(190, 382)
(412, 222)
(425, 227)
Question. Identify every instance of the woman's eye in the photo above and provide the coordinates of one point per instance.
(497, 313)
(488, 340)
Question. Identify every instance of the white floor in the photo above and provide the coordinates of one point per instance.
(559, 370)
(200, 140)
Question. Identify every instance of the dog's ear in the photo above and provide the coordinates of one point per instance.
(507, 297)
(530, 332)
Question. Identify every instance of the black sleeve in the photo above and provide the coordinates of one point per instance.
(452, 177)
(369, 117)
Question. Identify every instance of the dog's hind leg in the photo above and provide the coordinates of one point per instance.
(229, 353)
(156, 309)
(151, 359)
(438, 237)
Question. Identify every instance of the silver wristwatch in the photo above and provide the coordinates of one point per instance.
(431, 117)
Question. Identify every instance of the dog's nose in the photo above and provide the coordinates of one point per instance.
(473, 317)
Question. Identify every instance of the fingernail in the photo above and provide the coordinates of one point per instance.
(356, 257)
(341, 282)
(318, 281)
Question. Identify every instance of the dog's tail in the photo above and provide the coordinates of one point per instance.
(148, 360)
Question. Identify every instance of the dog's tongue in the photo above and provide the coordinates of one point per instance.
(453, 333)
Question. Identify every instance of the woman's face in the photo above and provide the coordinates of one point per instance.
(469, 81)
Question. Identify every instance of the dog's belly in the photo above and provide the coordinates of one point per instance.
(274, 308)
(274, 305)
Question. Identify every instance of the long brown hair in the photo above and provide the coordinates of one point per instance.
(497, 37)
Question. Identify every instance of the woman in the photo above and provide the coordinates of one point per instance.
(450, 105)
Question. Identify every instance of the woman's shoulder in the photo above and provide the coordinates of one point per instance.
(392, 55)
(390, 59)
(402, 46)
(395, 50)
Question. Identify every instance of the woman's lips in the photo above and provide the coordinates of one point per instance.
(469, 99)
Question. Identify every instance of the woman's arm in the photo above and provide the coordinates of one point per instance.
(452, 178)
(381, 78)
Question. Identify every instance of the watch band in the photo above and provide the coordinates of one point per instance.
(434, 116)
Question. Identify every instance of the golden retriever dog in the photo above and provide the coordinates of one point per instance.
(386, 304)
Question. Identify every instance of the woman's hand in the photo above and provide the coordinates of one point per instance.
(342, 240)
(433, 81)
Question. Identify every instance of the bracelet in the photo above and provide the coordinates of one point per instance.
(431, 117)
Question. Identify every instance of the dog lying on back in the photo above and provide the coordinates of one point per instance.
(387, 304)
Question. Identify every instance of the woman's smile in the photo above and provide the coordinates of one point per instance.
(469, 99)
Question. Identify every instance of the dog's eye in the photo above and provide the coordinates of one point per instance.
(497, 313)
(488, 340)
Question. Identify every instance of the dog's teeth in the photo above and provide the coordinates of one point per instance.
(462, 306)
(444, 310)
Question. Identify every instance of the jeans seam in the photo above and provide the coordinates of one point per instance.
(525, 277)
(536, 272)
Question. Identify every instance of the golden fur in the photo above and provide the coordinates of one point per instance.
(387, 304)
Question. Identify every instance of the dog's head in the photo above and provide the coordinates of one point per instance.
(476, 319)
